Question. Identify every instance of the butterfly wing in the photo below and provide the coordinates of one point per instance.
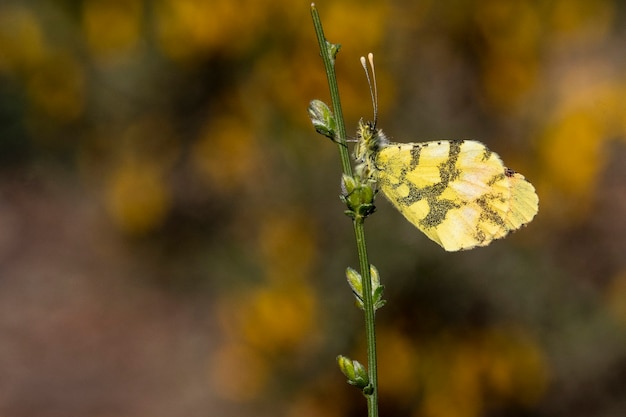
(524, 201)
(457, 192)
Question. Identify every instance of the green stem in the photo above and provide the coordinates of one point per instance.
(334, 92)
(372, 390)
(370, 328)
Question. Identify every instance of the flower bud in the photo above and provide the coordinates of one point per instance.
(358, 196)
(355, 282)
(322, 119)
(354, 371)
(333, 50)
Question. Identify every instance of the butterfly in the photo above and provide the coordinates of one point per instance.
(457, 192)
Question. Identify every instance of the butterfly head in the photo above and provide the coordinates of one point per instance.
(368, 137)
(366, 140)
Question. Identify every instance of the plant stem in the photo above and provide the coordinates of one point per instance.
(371, 392)
(370, 328)
(334, 92)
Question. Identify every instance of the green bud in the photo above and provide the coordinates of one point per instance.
(367, 194)
(377, 289)
(375, 276)
(323, 119)
(348, 184)
(358, 196)
(365, 210)
(356, 284)
(354, 371)
(333, 50)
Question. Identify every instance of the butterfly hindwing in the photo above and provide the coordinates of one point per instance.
(524, 201)
(457, 192)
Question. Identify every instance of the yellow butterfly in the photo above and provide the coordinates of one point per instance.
(458, 192)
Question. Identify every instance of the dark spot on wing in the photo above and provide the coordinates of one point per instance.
(448, 172)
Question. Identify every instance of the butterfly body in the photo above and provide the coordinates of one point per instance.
(457, 192)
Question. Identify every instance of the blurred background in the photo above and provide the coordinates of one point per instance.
(172, 242)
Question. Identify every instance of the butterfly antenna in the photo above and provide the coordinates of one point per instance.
(372, 83)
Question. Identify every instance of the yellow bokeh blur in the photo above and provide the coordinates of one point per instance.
(573, 18)
(514, 367)
(511, 31)
(397, 360)
(450, 374)
(278, 319)
(227, 154)
(186, 28)
(260, 327)
(572, 157)
(57, 87)
(365, 19)
(137, 197)
(508, 79)
(112, 27)
(287, 246)
(463, 375)
(509, 27)
(573, 150)
(21, 39)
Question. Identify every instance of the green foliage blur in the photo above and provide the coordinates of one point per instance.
(172, 241)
